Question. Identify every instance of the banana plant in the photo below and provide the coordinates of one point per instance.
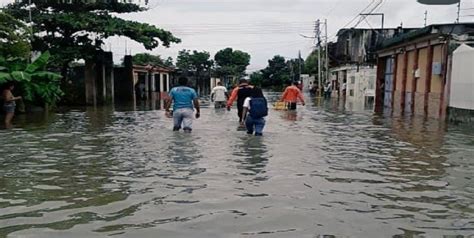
(33, 80)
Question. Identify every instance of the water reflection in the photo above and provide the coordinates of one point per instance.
(252, 156)
(53, 173)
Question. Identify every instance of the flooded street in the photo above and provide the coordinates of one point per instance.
(323, 172)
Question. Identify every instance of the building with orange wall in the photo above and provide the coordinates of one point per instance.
(413, 70)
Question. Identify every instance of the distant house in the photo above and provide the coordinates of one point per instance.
(414, 70)
(151, 81)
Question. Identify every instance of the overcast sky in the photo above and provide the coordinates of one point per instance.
(265, 28)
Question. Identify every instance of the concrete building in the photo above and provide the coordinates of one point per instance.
(308, 82)
(151, 81)
(360, 85)
(414, 70)
(354, 59)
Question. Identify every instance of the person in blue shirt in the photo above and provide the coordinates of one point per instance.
(184, 101)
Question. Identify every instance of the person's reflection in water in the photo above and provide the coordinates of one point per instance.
(183, 154)
(253, 156)
(290, 115)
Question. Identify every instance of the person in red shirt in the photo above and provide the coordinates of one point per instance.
(292, 95)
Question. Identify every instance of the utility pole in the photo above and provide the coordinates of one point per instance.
(318, 37)
(459, 12)
(326, 48)
(299, 65)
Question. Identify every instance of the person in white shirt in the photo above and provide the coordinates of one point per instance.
(219, 96)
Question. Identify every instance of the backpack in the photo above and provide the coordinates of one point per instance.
(258, 108)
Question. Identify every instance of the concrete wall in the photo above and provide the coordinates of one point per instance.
(123, 79)
(419, 88)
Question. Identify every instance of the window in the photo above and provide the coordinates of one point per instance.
(351, 92)
(353, 79)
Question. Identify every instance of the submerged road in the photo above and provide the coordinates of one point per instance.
(321, 172)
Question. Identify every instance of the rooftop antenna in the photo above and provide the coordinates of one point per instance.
(443, 2)
(426, 17)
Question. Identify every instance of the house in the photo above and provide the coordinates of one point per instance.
(354, 60)
(151, 81)
(414, 69)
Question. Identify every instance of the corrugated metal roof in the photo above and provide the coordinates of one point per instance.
(425, 31)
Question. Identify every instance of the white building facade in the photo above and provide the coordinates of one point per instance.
(359, 85)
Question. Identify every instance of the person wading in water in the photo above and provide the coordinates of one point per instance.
(240, 93)
(219, 96)
(255, 111)
(292, 95)
(9, 103)
(184, 100)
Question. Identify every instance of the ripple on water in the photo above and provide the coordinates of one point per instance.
(320, 172)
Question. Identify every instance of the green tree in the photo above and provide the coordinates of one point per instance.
(14, 37)
(277, 73)
(169, 62)
(195, 63)
(37, 85)
(256, 78)
(231, 63)
(296, 66)
(149, 59)
(76, 29)
(311, 63)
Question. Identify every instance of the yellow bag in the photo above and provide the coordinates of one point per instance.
(280, 106)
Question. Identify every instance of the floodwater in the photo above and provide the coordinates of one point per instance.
(323, 172)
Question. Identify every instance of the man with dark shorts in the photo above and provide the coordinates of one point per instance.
(240, 93)
(292, 95)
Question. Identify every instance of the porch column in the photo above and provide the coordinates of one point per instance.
(153, 82)
(167, 82)
(162, 85)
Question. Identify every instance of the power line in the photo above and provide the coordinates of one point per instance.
(353, 19)
(365, 15)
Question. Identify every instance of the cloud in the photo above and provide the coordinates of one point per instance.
(265, 28)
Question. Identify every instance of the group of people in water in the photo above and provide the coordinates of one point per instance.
(252, 106)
